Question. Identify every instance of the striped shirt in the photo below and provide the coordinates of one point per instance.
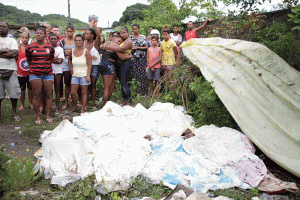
(40, 58)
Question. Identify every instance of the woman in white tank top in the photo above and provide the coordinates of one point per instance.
(80, 63)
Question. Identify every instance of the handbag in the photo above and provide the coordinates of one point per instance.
(5, 74)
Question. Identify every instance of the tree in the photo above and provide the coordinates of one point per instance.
(249, 5)
(133, 12)
(166, 12)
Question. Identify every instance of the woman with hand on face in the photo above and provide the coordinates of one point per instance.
(40, 56)
(67, 44)
(57, 68)
(23, 71)
(80, 63)
(123, 67)
(90, 41)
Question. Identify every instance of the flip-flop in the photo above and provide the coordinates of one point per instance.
(95, 108)
(64, 107)
(17, 118)
(38, 122)
(49, 120)
(56, 114)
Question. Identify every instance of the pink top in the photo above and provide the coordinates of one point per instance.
(190, 35)
(154, 56)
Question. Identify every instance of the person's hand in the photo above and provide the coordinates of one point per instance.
(177, 63)
(152, 69)
(88, 79)
(72, 72)
(134, 47)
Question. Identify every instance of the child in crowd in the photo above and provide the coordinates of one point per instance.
(57, 69)
(154, 56)
(169, 54)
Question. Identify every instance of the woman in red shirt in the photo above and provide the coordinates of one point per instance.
(40, 56)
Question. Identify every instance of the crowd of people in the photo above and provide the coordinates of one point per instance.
(71, 64)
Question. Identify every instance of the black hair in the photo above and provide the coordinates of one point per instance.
(54, 26)
(71, 27)
(42, 28)
(53, 35)
(151, 27)
(79, 35)
(155, 37)
(5, 23)
(191, 22)
(117, 36)
(125, 28)
(93, 32)
(103, 38)
(166, 31)
(111, 33)
(136, 26)
(176, 26)
(117, 32)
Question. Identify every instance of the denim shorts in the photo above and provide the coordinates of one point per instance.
(65, 65)
(79, 81)
(95, 71)
(155, 74)
(107, 67)
(49, 77)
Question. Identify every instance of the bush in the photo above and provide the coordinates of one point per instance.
(16, 173)
(282, 41)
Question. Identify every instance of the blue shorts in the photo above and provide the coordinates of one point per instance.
(155, 74)
(65, 65)
(107, 67)
(49, 77)
(79, 81)
(95, 71)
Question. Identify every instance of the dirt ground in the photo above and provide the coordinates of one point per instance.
(17, 143)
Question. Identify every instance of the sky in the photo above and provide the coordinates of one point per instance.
(108, 11)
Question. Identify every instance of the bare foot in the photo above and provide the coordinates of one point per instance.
(74, 109)
(31, 106)
(21, 108)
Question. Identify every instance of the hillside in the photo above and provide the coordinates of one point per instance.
(17, 16)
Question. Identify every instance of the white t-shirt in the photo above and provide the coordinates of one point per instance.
(8, 43)
(59, 53)
(95, 53)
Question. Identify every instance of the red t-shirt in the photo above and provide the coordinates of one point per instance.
(22, 64)
(190, 34)
(40, 58)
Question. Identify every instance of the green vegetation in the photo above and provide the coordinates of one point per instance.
(132, 12)
(18, 17)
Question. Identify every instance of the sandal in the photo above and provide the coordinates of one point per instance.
(56, 114)
(64, 107)
(95, 108)
(49, 120)
(38, 122)
(17, 118)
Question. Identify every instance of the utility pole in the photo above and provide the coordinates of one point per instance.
(69, 13)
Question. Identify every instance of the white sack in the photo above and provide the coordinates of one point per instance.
(260, 90)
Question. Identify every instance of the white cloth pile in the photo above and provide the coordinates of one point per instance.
(110, 143)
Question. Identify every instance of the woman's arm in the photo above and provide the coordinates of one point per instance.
(97, 42)
(124, 57)
(89, 63)
(70, 64)
(142, 48)
(117, 48)
(68, 52)
(57, 60)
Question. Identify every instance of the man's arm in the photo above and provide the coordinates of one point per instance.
(200, 27)
(7, 53)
